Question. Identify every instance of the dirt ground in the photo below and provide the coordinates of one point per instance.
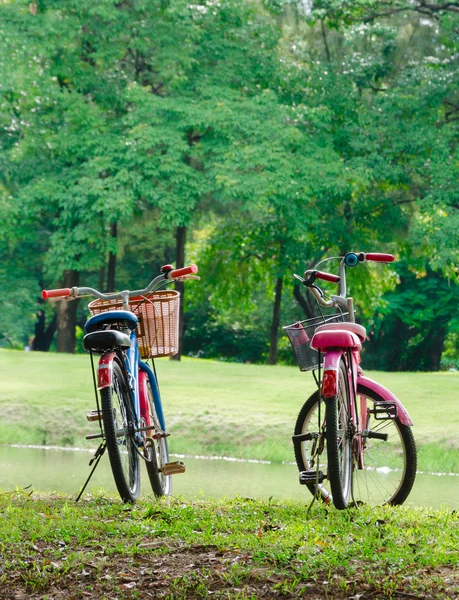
(204, 572)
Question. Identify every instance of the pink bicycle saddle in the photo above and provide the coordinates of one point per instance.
(354, 327)
(335, 338)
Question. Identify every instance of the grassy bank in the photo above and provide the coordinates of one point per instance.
(211, 407)
(99, 548)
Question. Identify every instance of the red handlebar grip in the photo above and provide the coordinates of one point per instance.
(328, 277)
(184, 271)
(62, 293)
(378, 257)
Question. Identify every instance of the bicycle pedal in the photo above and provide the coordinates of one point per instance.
(93, 436)
(383, 411)
(375, 435)
(173, 468)
(94, 415)
(302, 437)
(311, 477)
(160, 435)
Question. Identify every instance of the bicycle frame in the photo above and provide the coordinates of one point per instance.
(333, 355)
(360, 414)
(145, 372)
(329, 387)
(136, 372)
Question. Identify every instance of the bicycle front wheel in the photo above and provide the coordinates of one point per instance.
(156, 452)
(389, 466)
(119, 428)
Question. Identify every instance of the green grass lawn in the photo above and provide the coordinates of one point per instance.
(228, 550)
(211, 407)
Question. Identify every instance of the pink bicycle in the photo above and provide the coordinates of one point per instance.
(353, 440)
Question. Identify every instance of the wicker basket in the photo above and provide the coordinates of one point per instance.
(158, 314)
(300, 335)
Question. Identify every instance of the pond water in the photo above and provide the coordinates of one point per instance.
(65, 471)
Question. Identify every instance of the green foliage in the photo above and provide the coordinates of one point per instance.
(281, 132)
(409, 332)
(101, 130)
(208, 337)
(20, 273)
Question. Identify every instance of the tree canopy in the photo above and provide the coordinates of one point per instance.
(275, 133)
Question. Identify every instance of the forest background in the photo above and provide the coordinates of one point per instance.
(253, 138)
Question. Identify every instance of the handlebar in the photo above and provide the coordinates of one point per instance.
(351, 259)
(168, 274)
(377, 257)
(61, 293)
(176, 273)
(327, 277)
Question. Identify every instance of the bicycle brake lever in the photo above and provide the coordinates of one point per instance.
(316, 287)
(308, 285)
(186, 277)
(312, 285)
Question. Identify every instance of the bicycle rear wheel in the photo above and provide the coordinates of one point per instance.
(338, 434)
(119, 425)
(389, 465)
(389, 468)
(156, 452)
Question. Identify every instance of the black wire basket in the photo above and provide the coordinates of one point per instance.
(300, 335)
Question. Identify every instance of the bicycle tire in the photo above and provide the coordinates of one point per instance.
(118, 416)
(400, 473)
(338, 435)
(394, 485)
(156, 453)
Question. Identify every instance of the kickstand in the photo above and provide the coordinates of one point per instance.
(97, 456)
(316, 488)
(354, 501)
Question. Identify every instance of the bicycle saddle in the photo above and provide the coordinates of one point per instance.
(99, 341)
(353, 327)
(111, 316)
(335, 338)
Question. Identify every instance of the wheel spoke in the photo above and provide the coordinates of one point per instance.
(156, 449)
(119, 429)
(389, 467)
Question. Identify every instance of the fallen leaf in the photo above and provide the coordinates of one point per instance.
(128, 586)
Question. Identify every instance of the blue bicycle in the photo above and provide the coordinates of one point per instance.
(126, 327)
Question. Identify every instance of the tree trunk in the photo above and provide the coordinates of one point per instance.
(272, 360)
(180, 241)
(102, 278)
(427, 355)
(436, 344)
(304, 302)
(66, 316)
(112, 261)
(43, 335)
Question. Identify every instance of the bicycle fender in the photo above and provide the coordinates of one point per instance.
(330, 373)
(143, 398)
(387, 396)
(105, 370)
(145, 368)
